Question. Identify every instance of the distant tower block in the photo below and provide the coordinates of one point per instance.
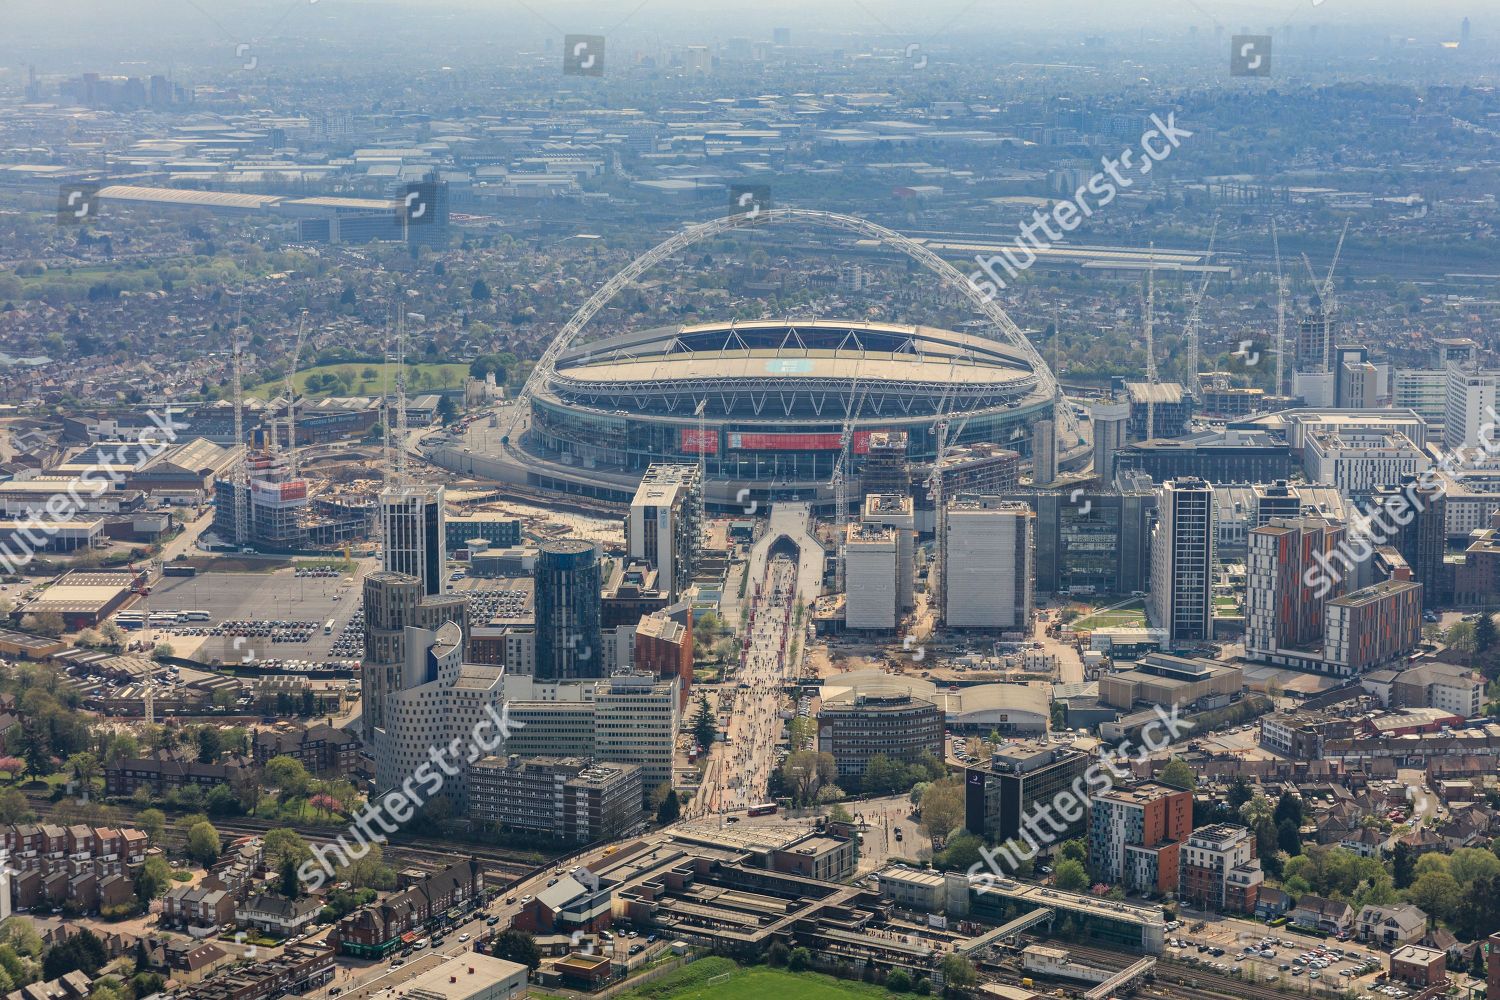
(885, 470)
(1043, 452)
(1111, 420)
(897, 511)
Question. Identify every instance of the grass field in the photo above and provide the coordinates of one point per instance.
(721, 979)
(1129, 615)
(369, 379)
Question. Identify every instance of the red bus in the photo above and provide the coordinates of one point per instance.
(764, 809)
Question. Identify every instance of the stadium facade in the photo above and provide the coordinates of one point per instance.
(774, 397)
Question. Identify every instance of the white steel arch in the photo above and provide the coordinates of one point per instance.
(1008, 331)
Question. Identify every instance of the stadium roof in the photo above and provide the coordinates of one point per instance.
(187, 198)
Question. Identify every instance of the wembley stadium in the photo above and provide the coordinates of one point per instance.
(774, 397)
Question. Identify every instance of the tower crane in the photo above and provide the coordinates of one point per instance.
(1194, 360)
(291, 396)
(1326, 301)
(1149, 312)
(241, 469)
(1280, 312)
(841, 468)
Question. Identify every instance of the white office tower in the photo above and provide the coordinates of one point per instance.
(1043, 452)
(412, 534)
(1315, 388)
(665, 524)
(1182, 561)
(439, 699)
(870, 553)
(1111, 419)
(988, 563)
(1470, 408)
(899, 512)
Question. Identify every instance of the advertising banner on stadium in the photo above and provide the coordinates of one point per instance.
(692, 441)
(795, 442)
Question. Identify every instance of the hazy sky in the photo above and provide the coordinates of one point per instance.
(64, 35)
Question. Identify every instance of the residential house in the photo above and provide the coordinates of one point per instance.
(1389, 926)
(275, 914)
(1271, 903)
(1326, 915)
(199, 906)
(376, 930)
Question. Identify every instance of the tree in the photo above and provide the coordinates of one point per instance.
(898, 981)
(291, 885)
(46, 623)
(153, 881)
(288, 776)
(1288, 809)
(705, 728)
(1288, 839)
(163, 651)
(282, 843)
(777, 954)
(480, 291)
(210, 744)
(805, 773)
(447, 410)
(518, 946)
(958, 973)
(799, 959)
(15, 807)
(1179, 774)
(153, 822)
(203, 843)
(1484, 634)
(82, 951)
(1071, 876)
(1075, 850)
(942, 808)
(670, 809)
(85, 768)
(1403, 865)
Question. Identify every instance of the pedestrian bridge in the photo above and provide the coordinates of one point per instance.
(1122, 980)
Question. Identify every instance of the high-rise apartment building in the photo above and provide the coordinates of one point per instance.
(1111, 420)
(1219, 870)
(1136, 834)
(1470, 405)
(885, 468)
(665, 524)
(898, 512)
(394, 602)
(438, 701)
(1284, 612)
(988, 549)
(1182, 561)
(567, 602)
(1373, 627)
(1043, 452)
(572, 798)
(413, 536)
(870, 576)
(1412, 517)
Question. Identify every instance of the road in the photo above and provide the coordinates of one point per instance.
(739, 770)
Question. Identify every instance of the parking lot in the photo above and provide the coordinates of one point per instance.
(254, 602)
(1282, 956)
